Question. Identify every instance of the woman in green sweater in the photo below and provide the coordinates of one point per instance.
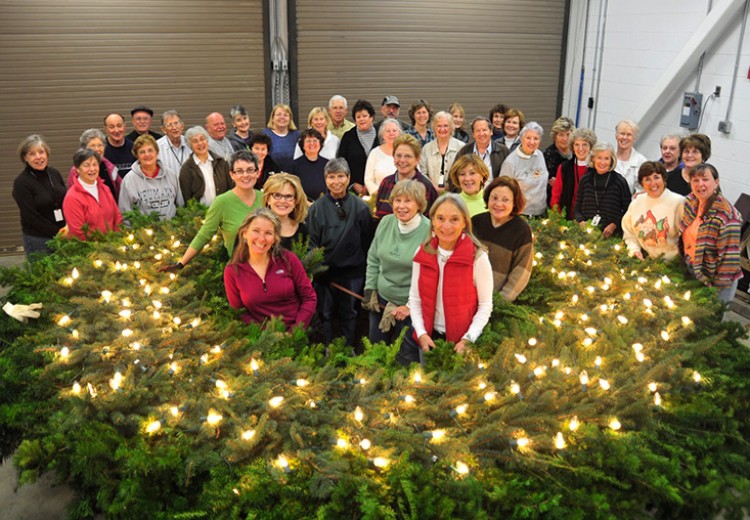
(468, 174)
(228, 210)
(389, 261)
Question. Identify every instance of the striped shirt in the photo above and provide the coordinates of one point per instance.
(717, 247)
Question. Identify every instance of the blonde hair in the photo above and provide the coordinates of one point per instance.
(241, 252)
(276, 183)
(459, 203)
(469, 159)
(411, 142)
(412, 189)
(314, 112)
(286, 108)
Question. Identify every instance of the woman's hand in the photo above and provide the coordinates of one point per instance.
(638, 254)
(401, 313)
(611, 228)
(425, 341)
(359, 189)
(461, 347)
(171, 268)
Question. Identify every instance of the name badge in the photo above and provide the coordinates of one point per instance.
(595, 221)
(58, 215)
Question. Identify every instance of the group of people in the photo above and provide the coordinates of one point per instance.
(450, 208)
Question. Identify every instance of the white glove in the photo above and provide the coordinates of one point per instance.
(22, 312)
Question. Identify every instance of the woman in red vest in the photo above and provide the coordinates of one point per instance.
(444, 268)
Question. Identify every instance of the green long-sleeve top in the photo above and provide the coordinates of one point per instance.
(225, 214)
(389, 260)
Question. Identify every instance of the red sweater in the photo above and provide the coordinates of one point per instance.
(286, 291)
(459, 302)
(80, 207)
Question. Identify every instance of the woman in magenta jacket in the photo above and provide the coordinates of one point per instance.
(264, 278)
(89, 202)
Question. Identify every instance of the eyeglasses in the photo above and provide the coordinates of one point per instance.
(340, 210)
(283, 196)
(249, 171)
(173, 125)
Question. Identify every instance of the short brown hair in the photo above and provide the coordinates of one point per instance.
(144, 140)
(700, 142)
(514, 112)
(469, 159)
(519, 200)
(32, 141)
(649, 168)
(411, 142)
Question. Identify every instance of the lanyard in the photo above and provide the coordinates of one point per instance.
(596, 193)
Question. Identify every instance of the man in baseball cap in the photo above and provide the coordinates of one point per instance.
(141, 117)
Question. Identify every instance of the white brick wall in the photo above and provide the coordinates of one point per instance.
(642, 38)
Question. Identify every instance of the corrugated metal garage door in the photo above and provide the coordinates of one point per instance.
(475, 52)
(65, 64)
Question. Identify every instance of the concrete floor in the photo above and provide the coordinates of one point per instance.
(47, 500)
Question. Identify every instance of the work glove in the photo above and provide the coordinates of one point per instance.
(22, 312)
(388, 320)
(370, 301)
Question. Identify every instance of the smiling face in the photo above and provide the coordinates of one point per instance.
(405, 208)
(470, 180)
(320, 123)
(141, 122)
(442, 128)
(530, 142)
(421, 116)
(448, 223)
(114, 126)
(311, 147)
(147, 156)
(337, 111)
(405, 160)
(458, 119)
(95, 144)
(390, 132)
(199, 145)
(281, 120)
(602, 162)
(562, 141)
(260, 150)
(500, 204)
(653, 185)
(282, 201)
(241, 123)
(216, 126)
(512, 126)
(260, 235)
(625, 137)
(88, 171)
(173, 128)
(482, 133)
(337, 182)
(363, 120)
(244, 174)
(691, 156)
(704, 185)
(498, 118)
(581, 149)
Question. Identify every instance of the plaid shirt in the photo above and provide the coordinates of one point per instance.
(383, 206)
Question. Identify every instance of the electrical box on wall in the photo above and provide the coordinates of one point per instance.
(690, 116)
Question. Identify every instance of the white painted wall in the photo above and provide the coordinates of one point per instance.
(643, 38)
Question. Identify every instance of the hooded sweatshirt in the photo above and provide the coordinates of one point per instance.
(159, 195)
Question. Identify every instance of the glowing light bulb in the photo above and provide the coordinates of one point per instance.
(174, 411)
(520, 358)
(365, 444)
(574, 298)
(686, 296)
(435, 435)
(489, 396)
(686, 321)
(153, 427)
(156, 315)
(598, 361)
(380, 462)
(98, 263)
(116, 381)
(76, 388)
(64, 352)
(560, 441)
(482, 385)
(408, 399)
(481, 366)
(652, 387)
(106, 296)
(195, 322)
(522, 442)
(221, 385)
(697, 377)
(539, 371)
(515, 388)
(359, 415)
(627, 296)
(213, 418)
(342, 444)
(555, 363)
(604, 384)
(126, 333)
(664, 335)
(126, 314)
(254, 366)
(584, 378)
(461, 409)
(622, 319)
(657, 399)
(614, 424)
(302, 383)
(417, 377)
(276, 401)
(177, 320)
(283, 463)
(91, 389)
(574, 424)
(532, 343)
(64, 320)
(461, 468)
(591, 331)
(637, 347)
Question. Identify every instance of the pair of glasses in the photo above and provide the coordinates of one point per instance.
(173, 125)
(240, 173)
(340, 210)
(282, 196)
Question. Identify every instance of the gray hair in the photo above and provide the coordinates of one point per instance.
(242, 155)
(91, 133)
(480, 118)
(237, 110)
(670, 136)
(603, 147)
(195, 131)
(632, 124)
(388, 121)
(562, 124)
(32, 141)
(443, 115)
(584, 134)
(412, 189)
(338, 97)
(169, 113)
(337, 165)
(532, 126)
